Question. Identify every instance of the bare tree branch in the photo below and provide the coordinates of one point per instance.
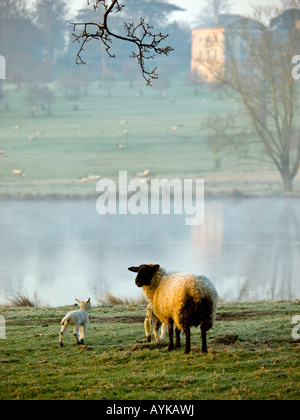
(147, 43)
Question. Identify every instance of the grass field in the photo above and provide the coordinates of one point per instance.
(259, 360)
(162, 133)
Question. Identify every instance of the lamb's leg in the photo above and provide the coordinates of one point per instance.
(76, 334)
(187, 340)
(171, 330)
(177, 343)
(203, 336)
(62, 335)
(163, 332)
(81, 334)
(156, 327)
(84, 328)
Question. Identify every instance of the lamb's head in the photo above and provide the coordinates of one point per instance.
(84, 304)
(145, 272)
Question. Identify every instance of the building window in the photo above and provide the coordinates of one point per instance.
(201, 55)
(216, 54)
(207, 55)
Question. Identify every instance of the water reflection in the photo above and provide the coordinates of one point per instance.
(64, 249)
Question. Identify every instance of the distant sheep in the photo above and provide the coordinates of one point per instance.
(152, 322)
(18, 172)
(184, 299)
(79, 319)
(144, 174)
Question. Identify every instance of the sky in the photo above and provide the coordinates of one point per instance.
(243, 7)
(193, 7)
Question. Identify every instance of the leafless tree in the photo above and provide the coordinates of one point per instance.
(262, 80)
(141, 35)
(287, 4)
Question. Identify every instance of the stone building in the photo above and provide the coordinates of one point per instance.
(213, 44)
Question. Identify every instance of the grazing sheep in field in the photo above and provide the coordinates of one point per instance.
(144, 174)
(79, 319)
(152, 322)
(184, 299)
(18, 172)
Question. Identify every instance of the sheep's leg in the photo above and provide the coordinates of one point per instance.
(187, 340)
(204, 343)
(147, 329)
(177, 343)
(171, 330)
(62, 335)
(76, 334)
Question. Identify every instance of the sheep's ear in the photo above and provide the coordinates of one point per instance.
(156, 267)
(88, 301)
(134, 269)
(77, 300)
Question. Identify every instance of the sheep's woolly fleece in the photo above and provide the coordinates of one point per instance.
(169, 293)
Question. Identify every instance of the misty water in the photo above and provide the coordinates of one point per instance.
(62, 249)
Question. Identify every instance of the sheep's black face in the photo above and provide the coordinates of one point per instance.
(145, 274)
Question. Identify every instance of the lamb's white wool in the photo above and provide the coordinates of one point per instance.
(183, 299)
(80, 321)
(152, 322)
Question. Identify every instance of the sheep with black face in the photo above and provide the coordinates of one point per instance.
(184, 299)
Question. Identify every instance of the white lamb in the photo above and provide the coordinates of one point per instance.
(184, 299)
(79, 319)
(152, 322)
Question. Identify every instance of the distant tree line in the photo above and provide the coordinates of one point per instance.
(38, 45)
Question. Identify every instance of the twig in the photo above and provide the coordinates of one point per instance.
(148, 44)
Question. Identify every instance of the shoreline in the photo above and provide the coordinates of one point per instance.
(223, 184)
(31, 191)
(234, 195)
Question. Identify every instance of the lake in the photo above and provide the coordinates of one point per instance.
(63, 249)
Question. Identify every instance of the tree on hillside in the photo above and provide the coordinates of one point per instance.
(49, 16)
(157, 10)
(261, 77)
(18, 34)
(211, 11)
(140, 34)
(20, 41)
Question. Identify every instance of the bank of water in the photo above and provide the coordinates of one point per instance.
(64, 249)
